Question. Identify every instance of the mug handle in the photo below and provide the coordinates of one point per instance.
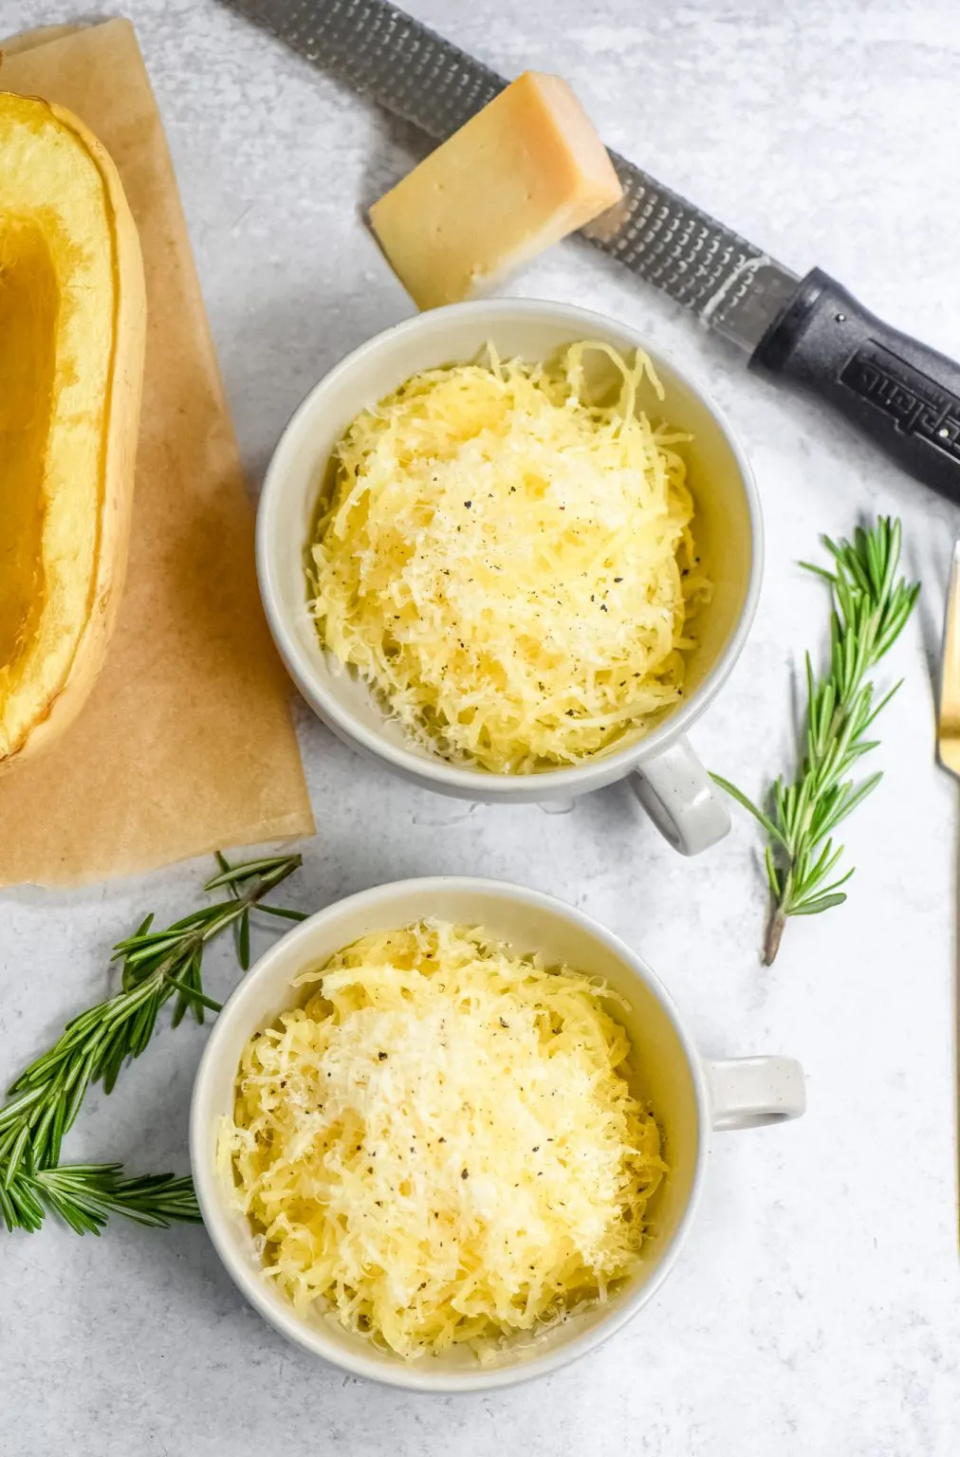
(749, 1092)
(679, 796)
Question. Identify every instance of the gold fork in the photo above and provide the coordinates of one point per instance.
(948, 722)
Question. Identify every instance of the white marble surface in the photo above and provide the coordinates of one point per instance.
(817, 1308)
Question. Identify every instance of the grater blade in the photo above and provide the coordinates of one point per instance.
(385, 54)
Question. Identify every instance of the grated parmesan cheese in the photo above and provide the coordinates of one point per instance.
(441, 1146)
(509, 565)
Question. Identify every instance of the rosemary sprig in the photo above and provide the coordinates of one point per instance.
(870, 611)
(45, 1099)
(85, 1195)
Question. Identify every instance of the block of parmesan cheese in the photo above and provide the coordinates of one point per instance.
(522, 174)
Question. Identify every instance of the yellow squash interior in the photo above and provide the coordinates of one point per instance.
(58, 308)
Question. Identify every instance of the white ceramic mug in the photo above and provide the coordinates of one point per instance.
(691, 1096)
(663, 768)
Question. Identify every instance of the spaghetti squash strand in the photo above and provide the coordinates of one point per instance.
(509, 564)
(441, 1146)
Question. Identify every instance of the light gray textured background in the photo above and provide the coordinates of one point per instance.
(817, 1309)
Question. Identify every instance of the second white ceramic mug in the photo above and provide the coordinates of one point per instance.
(664, 771)
(692, 1095)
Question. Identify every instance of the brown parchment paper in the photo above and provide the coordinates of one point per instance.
(186, 743)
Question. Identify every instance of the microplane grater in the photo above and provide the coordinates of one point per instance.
(903, 395)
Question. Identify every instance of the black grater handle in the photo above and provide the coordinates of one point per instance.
(904, 396)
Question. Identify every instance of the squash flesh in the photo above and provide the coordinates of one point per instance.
(60, 293)
(28, 311)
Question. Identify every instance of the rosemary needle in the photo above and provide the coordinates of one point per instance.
(870, 609)
(45, 1099)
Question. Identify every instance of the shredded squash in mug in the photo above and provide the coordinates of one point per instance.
(510, 566)
(441, 1146)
